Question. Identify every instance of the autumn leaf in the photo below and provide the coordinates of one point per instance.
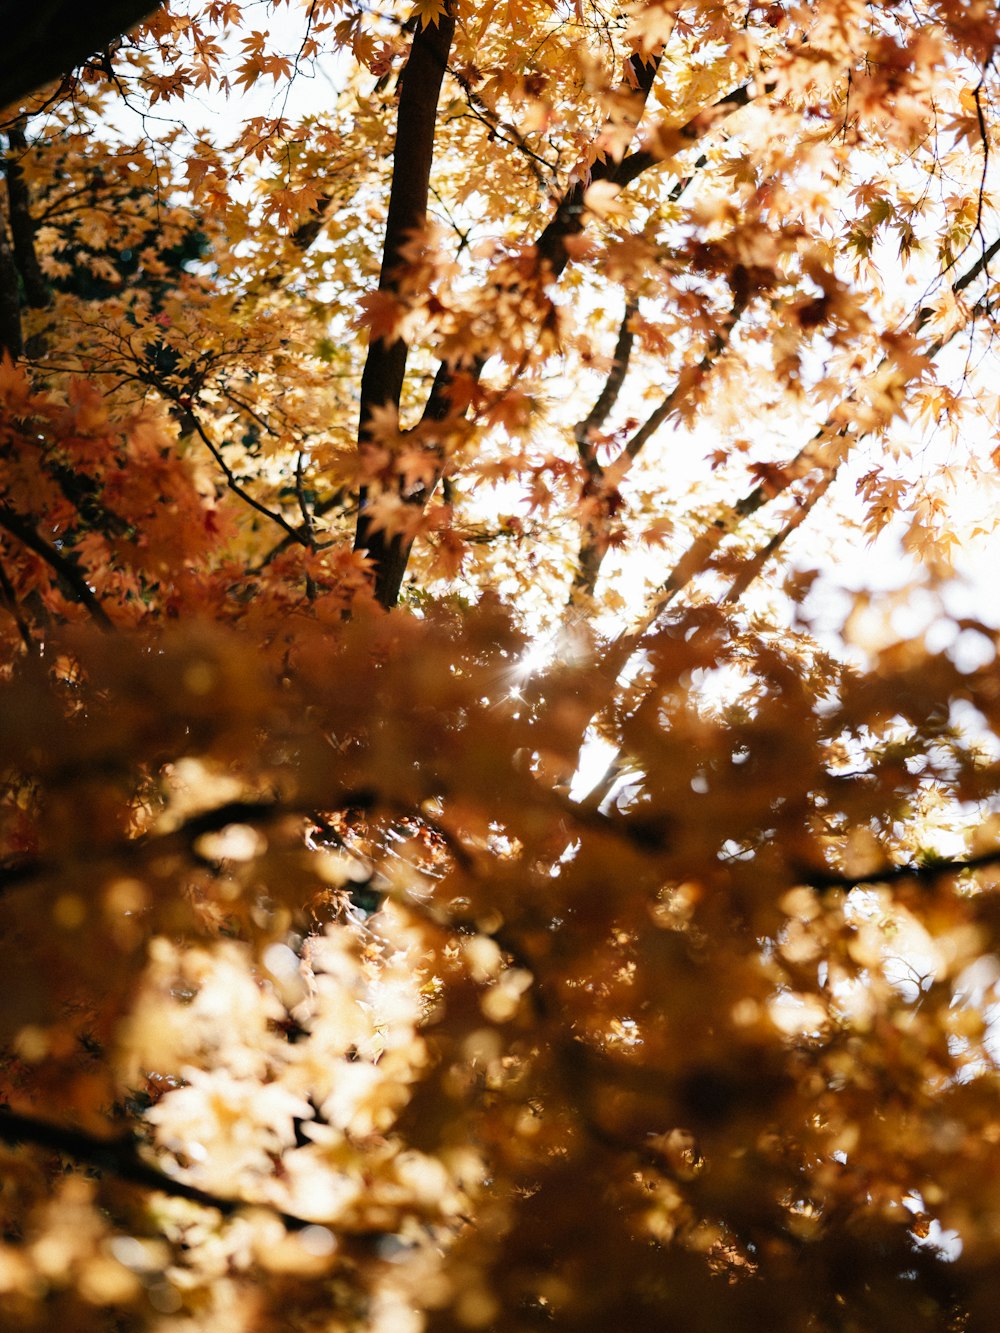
(451, 773)
(427, 11)
(384, 315)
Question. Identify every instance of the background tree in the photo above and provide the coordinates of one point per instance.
(47, 41)
(365, 478)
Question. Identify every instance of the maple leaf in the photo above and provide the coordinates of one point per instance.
(226, 13)
(427, 11)
(417, 467)
(511, 410)
(309, 833)
(603, 198)
(384, 315)
(389, 513)
(450, 552)
(383, 428)
(90, 412)
(773, 478)
(15, 390)
(250, 71)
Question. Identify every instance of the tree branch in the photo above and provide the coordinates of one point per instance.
(9, 599)
(390, 554)
(121, 1158)
(385, 366)
(17, 871)
(338, 500)
(689, 378)
(11, 338)
(596, 537)
(502, 129)
(22, 225)
(21, 870)
(569, 219)
(608, 396)
(292, 533)
(804, 506)
(67, 568)
(826, 450)
(927, 873)
(551, 249)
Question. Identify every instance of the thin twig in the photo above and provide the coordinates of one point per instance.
(805, 504)
(826, 450)
(335, 501)
(300, 494)
(292, 532)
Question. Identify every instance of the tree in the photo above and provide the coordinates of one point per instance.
(340, 991)
(44, 42)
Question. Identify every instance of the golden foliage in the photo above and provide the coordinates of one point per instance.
(340, 991)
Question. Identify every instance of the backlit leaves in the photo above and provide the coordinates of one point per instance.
(592, 939)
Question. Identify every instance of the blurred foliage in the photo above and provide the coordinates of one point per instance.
(343, 990)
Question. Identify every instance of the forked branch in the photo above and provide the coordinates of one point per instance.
(598, 414)
(603, 482)
(390, 554)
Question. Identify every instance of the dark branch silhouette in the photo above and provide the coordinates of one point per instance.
(64, 565)
(390, 554)
(927, 873)
(121, 1157)
(22, 225)
(385, 367)
(45, 40)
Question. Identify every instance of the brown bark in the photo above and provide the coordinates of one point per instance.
(11, 340)
(569, 218)
(385, 367)
(608, 396)
(596, 527)
(552, 252)
(390, 555)
(22, 225)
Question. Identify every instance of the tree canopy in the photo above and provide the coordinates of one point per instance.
(456, 870)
